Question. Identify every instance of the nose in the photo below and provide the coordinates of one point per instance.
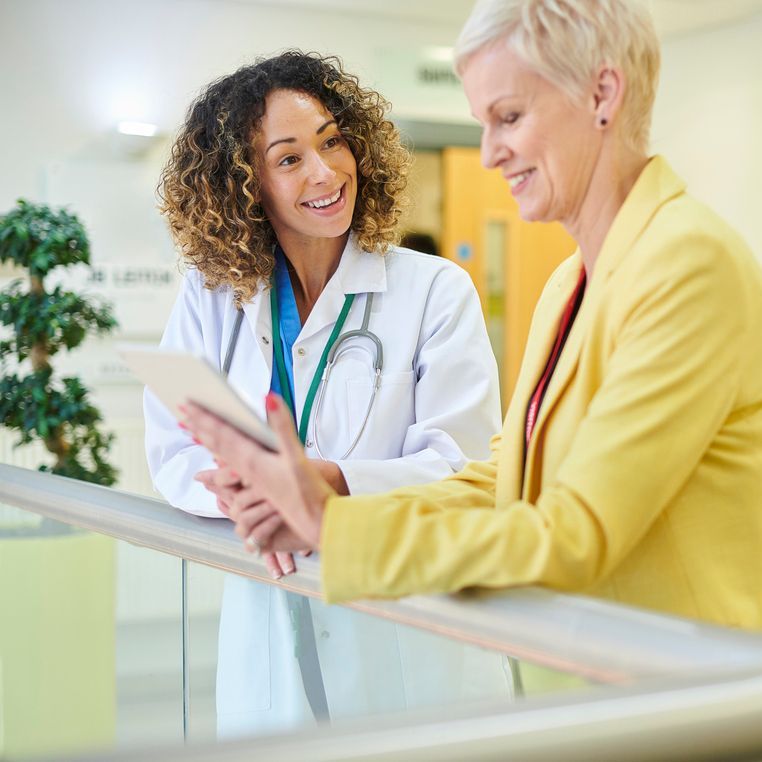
(493, 151)
(320, 169)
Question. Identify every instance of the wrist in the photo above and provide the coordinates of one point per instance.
(331, 472)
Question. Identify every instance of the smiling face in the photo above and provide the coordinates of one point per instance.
(308, 175)
(545, 146)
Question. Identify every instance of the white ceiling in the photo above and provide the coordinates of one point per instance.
(673, 17)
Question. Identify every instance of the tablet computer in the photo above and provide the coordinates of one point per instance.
(176, 377)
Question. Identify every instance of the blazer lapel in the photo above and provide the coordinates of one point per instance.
(542, 336)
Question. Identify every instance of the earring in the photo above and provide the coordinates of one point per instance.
(603, 121)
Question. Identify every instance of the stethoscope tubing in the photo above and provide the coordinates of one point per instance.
(335, 352)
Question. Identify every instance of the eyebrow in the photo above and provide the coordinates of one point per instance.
(505, 96)
(319, 130)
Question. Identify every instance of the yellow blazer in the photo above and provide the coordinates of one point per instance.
(643, 479)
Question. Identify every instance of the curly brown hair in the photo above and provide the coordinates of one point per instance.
(209, 186)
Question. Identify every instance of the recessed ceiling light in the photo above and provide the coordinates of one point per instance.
(146, 129)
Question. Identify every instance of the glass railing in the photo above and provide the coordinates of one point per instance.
(110, 639)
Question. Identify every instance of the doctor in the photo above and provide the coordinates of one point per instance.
(283, 191)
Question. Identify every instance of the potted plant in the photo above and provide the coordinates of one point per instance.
(39, 324)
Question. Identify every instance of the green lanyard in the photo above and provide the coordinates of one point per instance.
(280, 363)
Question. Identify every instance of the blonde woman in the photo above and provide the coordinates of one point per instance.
(630, 461)
(283, 190)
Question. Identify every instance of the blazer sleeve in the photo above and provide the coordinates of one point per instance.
(457, 393)
(173, 458)
(671, 380)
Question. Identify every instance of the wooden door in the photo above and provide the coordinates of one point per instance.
(508, 259)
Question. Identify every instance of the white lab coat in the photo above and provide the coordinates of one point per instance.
(438, 405)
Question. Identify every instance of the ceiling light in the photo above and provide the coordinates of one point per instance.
(145, 129)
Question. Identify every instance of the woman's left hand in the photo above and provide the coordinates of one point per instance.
(273, 485)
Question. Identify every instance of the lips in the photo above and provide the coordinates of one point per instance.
(520, 177)
(519, 180)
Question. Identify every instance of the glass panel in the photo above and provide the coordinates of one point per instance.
(149, 647)
(89, 640)
(204, 586)
(285, 662)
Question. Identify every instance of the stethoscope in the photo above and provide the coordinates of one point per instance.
(338, 347)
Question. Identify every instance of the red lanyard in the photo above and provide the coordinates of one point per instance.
(567, 320)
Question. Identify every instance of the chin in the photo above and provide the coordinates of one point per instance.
(533, 214)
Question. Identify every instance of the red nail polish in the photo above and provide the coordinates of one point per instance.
(197, 441)
(271, 402)
(182, 426)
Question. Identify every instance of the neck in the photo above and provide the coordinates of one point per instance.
(610, 184)
(312, 263)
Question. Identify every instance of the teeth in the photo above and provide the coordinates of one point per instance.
(325, 201)
(516, 179)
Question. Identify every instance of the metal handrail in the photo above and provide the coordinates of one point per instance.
(598, 640)
(699, 718)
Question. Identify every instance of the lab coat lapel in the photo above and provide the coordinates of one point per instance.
(359, 272)
(259, 321)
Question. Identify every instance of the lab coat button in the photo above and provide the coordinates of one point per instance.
(265, 340)
(308, 443)
(301, 351)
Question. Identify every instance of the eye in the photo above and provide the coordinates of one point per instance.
(289, 160)
(333, 141)
(510, 118)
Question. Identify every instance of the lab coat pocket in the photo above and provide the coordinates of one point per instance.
(392, 413)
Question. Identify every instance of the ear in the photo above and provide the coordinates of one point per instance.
(608, 92)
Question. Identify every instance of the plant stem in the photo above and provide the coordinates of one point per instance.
(55, 443)
(39, 352)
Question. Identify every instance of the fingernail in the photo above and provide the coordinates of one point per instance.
(197, 441)
(271, 402)
(182, 426)
(183, 409)
(275, 574)
(289, 569)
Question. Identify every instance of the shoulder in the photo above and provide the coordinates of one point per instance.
(685, 240)
(194, 284)
(425, 271)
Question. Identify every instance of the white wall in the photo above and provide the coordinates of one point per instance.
(708, 120)
(72, 69)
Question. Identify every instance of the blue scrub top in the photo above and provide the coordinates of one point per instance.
(290, 323)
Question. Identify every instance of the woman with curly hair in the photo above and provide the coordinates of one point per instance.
(283, 191)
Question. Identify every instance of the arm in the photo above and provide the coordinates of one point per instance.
(173, 458)
(670, 381)
(457, 394)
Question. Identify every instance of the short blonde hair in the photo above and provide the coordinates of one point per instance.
(566, 41)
